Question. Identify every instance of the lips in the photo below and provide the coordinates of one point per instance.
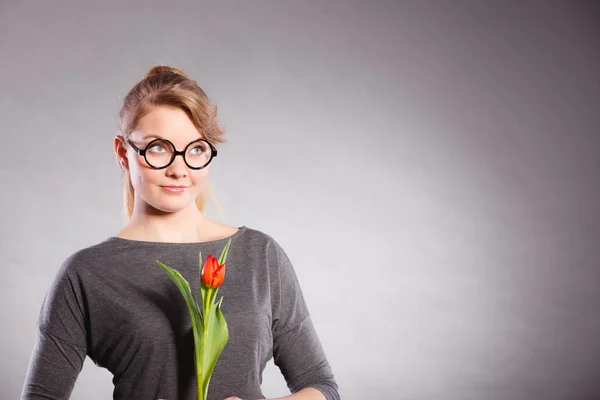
(174, 189)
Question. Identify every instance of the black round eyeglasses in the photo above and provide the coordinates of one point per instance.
(160, 153)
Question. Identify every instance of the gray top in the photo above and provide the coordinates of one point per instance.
(115, 304)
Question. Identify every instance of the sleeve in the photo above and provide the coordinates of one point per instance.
(297, 350)
(60, 347)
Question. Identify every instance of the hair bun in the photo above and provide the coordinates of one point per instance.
(160, 69)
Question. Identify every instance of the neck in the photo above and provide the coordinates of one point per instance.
(187, 225)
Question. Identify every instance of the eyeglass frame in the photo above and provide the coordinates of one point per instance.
(142, 152)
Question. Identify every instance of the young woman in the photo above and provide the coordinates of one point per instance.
(113, 303)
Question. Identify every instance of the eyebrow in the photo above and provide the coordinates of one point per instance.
(152, 136)
(155, 136)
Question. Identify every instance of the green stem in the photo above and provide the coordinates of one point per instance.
(203, 394)
(205, 325)
(197, 347)
(199, 371)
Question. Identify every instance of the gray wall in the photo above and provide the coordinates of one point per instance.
(430, 167)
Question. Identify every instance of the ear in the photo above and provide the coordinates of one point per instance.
(121, 152)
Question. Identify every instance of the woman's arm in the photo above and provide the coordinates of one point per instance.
(53, 368)
(60, 348)
(297, 350)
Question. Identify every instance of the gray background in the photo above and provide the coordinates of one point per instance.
(431, 168)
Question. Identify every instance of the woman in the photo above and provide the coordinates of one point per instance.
(113, 302)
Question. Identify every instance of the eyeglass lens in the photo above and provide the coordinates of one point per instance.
(159, 154)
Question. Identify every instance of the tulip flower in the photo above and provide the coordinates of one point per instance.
(213, 273)
(208, 323)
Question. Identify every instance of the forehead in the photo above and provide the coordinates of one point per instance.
(166, 122)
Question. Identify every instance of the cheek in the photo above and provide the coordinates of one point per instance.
(198, 177)
(142, 176)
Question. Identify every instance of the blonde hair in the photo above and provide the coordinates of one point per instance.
(167, 86)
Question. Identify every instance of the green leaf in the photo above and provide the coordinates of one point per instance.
(223, 257)
(215, 338)
(202, 286)
(197, 320)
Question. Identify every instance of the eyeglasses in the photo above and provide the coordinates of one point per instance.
(160, 153)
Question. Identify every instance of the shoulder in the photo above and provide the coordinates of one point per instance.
(262, 246)
(85, 258)
(269, 248)
(258, 240)
(66, 289)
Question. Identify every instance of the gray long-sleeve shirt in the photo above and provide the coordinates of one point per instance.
(115, 304)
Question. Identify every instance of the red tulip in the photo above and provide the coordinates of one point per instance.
(208, 322)
(213, 273)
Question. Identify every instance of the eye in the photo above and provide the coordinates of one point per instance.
(157, 148)
(198, 149)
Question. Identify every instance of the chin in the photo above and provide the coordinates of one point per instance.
(171, 205)
(175, 206)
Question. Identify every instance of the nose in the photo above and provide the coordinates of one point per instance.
(178, 167)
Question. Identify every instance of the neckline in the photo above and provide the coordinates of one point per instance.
(135, 241)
